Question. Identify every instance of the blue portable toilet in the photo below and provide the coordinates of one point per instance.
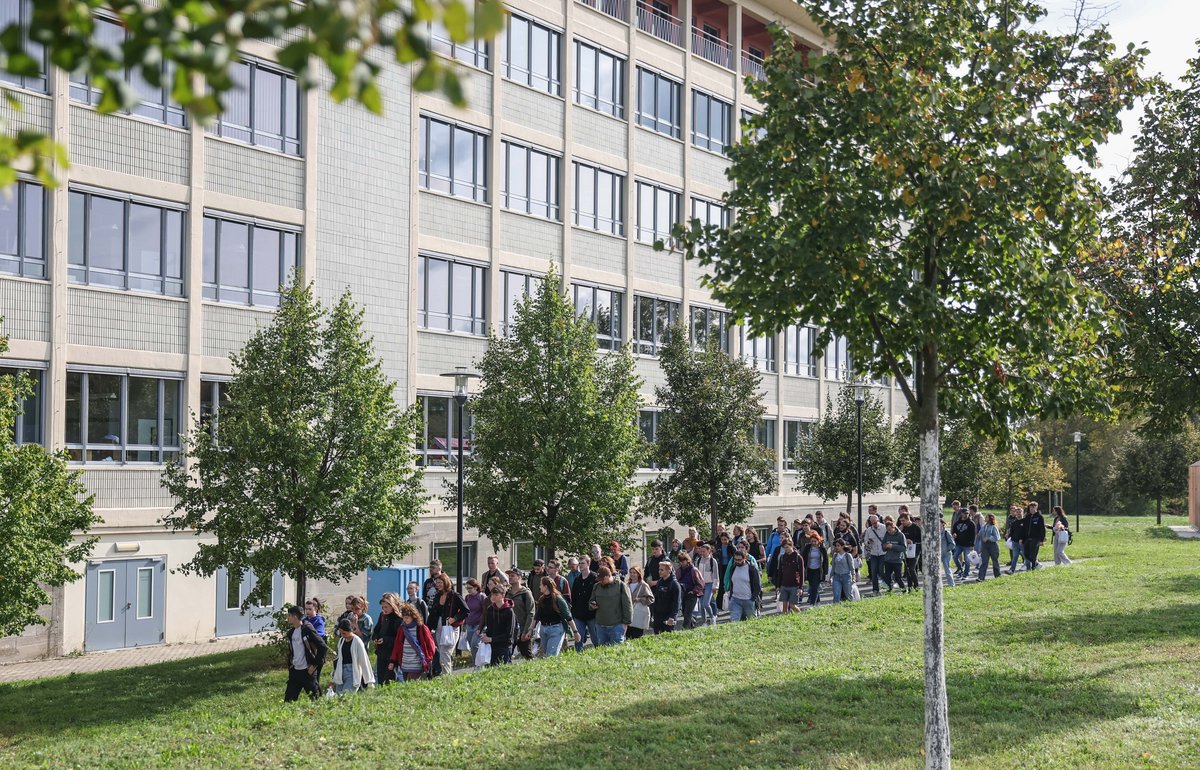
(395, 579)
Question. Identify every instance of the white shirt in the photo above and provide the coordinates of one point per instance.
(299, 657)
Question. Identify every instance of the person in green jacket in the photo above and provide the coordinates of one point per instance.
(614, 609)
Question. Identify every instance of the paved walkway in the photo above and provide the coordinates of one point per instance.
(1187, 532)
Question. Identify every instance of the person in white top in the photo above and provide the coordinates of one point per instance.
(353, 670)
(709, 573)
(873, 534)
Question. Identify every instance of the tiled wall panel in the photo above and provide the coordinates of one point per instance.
(25, 306)
(112, 319)
(129, 146)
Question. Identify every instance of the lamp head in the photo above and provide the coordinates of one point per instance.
(461, 378)
(1078, 438)
(860, 393)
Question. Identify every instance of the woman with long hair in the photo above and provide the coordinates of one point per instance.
(414, 651)
(447, 615)
(755, 548)
(643, 597)
(384, 637)
(476, 600)
(554, 614)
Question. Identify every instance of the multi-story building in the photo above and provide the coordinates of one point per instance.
(593, 126)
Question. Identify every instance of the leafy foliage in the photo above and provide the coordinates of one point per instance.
(45, 513)
(826, 460)
(308, 467)
(1017, 475)
(711, 403)
(963, 460)
(1156, 466)
(556, 440)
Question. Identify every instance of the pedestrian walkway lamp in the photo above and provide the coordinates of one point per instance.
(860, 395)
(461, 378)
(1078, 441)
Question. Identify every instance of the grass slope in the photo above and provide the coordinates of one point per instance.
(1095, 666)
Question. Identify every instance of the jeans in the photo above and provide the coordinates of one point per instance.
(740, 609)
(348, 684)
(1031, 553)
(892, 571)
(500, 654)
(989, 551)
(841, 586)
(946, 569)
(708, 606)
(635, 633)
(1060, 552)
(875, 567)
(472, 633)
(584, 628)
(690, 600)
(960, 560)
(1017, 552)
(606, 635)
(552, 639)
(300, 680)
(814, 587)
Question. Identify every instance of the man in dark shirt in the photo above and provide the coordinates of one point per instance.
(581, 601)
(1035, 535)
(963, 530)
(656, 557)
(912, 533)
(1016, 533)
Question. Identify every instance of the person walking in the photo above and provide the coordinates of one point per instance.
(353, 669)
(744, 586)
(989, 547)
(613, 605)
(429, 589)
(667, 600)
(1016, 536)
(356, 613)
(564, 587)
(1062, 536)
(963, 530)
(788, 577)
(815, 557)
(912, 554)
(657, 556)
(1035, 535)
(641, 596)
(947, 550)
(553, 613)
(414, 598)
(1060, 517)
(383, 638)
(493, 571)
(872, 539)
(754, 547)
(447, 615)
(691, 584)
(894, 546)
(845, 532)
(823, 528)
(498, 627)
(306, 654)
(775, 541)
(415, 650)
(475, 600)
(724, 556)
(620, 560)
(841, 571)
(581, 599)
(710, 573)
(523, 606)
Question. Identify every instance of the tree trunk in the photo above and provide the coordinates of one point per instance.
(301, 588)
(713, 513)
(937, 722)
(1158, 510)
(849, 501)
(551, 539)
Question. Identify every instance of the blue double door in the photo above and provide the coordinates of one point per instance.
(124, 603)
(231, 593)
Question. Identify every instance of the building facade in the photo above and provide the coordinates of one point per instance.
(593, 126)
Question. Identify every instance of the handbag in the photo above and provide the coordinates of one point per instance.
(464, 643)
(445, 634)
(483, 655)
(641, 616)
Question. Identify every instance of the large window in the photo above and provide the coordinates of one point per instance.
(28, 427)
(709, 324)
(837, 359)
(530, 181)
(794, 431)
(747, 128)
(516, 287)
(759, 352)
(764, 433)
(599, 79)
(247, 262)
(262, 109)
(710, 213)
(653, 319)
(658, 212)
(524, 552)
(213, 396)
(658, 103)
(473, 52)
(447, 553)
(603, 308)
(451, 295)
(712, 122)
(531, 55)
(648, 424)
(599, 199)
(20, 12)
(437, 443)
(453, 159)
(156, 102)
(127, 243)
(23, 230)
(119, 418)
(799, 351)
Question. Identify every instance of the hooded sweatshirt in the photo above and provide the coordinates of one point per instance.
(499, 623)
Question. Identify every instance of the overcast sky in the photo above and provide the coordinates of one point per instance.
(1169, 28)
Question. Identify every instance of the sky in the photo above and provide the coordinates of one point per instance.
(1169, 28)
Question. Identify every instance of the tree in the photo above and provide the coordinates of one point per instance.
(308, 468)
(921, 190)
(192, 45)
(826, 460)
(556, 442)
(45, 513)
(962, 460)
(711, 404)
(1157, 466)
(1016, 475)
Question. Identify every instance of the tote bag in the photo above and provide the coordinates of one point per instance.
(445, 634)
(483, 655)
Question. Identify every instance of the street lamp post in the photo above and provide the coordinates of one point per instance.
(1078, 441)
(461, 378)
(859, 397)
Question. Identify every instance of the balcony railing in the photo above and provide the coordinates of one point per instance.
(614, 8)
(752, 66)
(662, 25)
(714, 49)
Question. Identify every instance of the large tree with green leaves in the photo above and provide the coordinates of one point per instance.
(556, 442)
(45, 513)
(308, 467)
(190, 46)
(1017, 474)
(921, 189)
(710, 406)
(1155, 466)
(963, 457)
(826, 459)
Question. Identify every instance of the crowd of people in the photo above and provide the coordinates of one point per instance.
(603, 599)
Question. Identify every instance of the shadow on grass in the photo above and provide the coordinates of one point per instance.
(1163, 532)
(1180, 584)
(1098, 628)
(47, 706)
(822, 721)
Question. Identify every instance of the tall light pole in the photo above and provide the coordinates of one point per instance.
(1078, 441)
(461, 378)
(860, 396)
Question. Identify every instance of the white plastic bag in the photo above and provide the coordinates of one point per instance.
(855, 595)
(973, 558)
(483, 655)
(445, 634)
(911, 551)
(464, 643)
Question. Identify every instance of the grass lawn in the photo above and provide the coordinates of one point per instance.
(1092, 666)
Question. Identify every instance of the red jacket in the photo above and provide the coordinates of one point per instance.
(428, 649)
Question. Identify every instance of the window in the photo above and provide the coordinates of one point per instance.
(213, 396)
(658, 212)
(603, 308)
(711, 122)
(120, 418)
(524, 552)
(472, 52)
(794, 432)
(599, 199)
(145, 593)
(453, 159)
(710, 213)
(658, 103)
(516, 287)
(708, 324)
(530, 181)
(837, 359)
(653, 319)
(156, 102)
(106, 592)
(450, 296)
(437, 443)
(799, 351)
(764, 433)
(747, 129)
(233, 593)
(648, 424)
(262, 109)
(23, 230)
(28, 427)
(447, 553)
(247, 262)
(599, 80)
(759, 352)
(128, 243)
(531, 55)
(20, 12)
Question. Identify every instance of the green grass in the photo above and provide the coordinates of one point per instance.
(1095, 666)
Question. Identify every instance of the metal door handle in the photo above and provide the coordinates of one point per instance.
(128, 605)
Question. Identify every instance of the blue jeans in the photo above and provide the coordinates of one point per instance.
(960, 559)
(1017, 550)
(348, 684)
(740, 609)
(946, 570)
(989, 551)
(552, 638)
(584, 628)
(472, 639)
(841, 586)
(713, 591)
(608, 635)
(814, 587)
(708, 609)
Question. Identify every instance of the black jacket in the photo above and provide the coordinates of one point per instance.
(314, 645)
(454, 612)
(651, 572)
(581, 597)
(1017, 529)
(500, 625)
(385, 631)
(1035, 527)
(667, 599)
(964, 533)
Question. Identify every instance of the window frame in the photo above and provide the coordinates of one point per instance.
(617, 223)
(765, 361)
(792, 431)
(426, 457)
(709, 313)
(647, 462)
(36, 371)
(22, 261)
(35, 83)
(470, 556)
(763, 433)
(706, 139)
(164, 449)
(477, 188)
(212, 291)
(838, 366)
(288, 144)
(80, 274)
(671, 125)
(550, 82)
(551, 208)
(508, 314)
(798, 361)
(616, 298)
(474, 53)
(676, 198)
(658, 335)
(477, 318)
(592, 100)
